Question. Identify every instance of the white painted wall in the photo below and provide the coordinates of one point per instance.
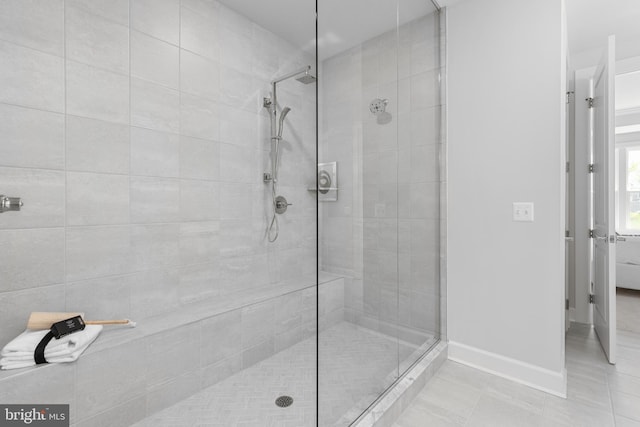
(506, 129)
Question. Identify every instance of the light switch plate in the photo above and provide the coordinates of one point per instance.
(523, 211)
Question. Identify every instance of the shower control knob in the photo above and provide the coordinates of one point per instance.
(281, 205)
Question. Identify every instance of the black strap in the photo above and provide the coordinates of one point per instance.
(38, 354)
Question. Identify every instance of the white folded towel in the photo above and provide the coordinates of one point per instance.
(19, 352)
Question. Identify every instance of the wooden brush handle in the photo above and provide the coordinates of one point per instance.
(107, 322)
(44, 320)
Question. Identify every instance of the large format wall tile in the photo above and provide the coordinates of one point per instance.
(31, 78)
(213, 374)
(154, 292)
(425, 90)
(93, 40)
(166, 394)
(54, 385)
(103, 298)
(199, 117)
(237, 88)
(32, 258)
(235, 47)
(237, 237)
(154, 60)
(198, 282)
(236, 166)
(97, 146)
(199, 242)
(258, 323)
(31, 138)
(154, 106)
(97, 199)
(154, 153)
(163, 350)
(199, 200)
(96, 93)
(240, 127)
(87, 260)
(155, 246)
(154, 200)
(220, 337)
(425, 126)
(198, 33)
(199, 159)
(158, 18)
(235, 201)
(114, 10)
(38, 24)
(199, 76)
(109, 378)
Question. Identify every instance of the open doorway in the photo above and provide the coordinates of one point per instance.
(627, 196)
(626, 203)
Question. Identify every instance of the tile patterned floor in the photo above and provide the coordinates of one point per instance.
(628, 306)
(599, 394)
(357, 365)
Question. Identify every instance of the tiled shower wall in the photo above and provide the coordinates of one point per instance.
(383, 233)
(134, 133)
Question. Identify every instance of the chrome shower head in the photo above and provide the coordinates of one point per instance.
(378, 106)
(303, 76)
(306, 78)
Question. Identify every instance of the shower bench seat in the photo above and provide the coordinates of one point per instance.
(130, 373)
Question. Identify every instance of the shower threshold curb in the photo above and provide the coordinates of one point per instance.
(388, 408)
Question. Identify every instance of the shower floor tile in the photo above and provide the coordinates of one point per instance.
(356, 365)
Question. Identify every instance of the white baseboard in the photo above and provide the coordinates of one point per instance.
(533, 376)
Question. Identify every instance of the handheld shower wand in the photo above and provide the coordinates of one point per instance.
(283, 114)
(273, 230)
(277, 126)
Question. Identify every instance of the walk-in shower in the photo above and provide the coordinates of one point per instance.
(179, 116)
(279, 203)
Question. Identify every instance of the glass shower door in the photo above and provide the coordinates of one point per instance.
(358, 232)
(379, 241)
(419, 183)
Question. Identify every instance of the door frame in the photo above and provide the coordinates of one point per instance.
(581, 310)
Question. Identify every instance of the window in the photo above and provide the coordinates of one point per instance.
(628, 189)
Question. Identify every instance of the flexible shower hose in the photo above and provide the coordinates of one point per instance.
(274, 230)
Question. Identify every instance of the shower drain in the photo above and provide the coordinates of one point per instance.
(284, 401)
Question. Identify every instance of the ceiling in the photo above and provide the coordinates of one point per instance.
(346, 23)
(342, 24)
(589, 22)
